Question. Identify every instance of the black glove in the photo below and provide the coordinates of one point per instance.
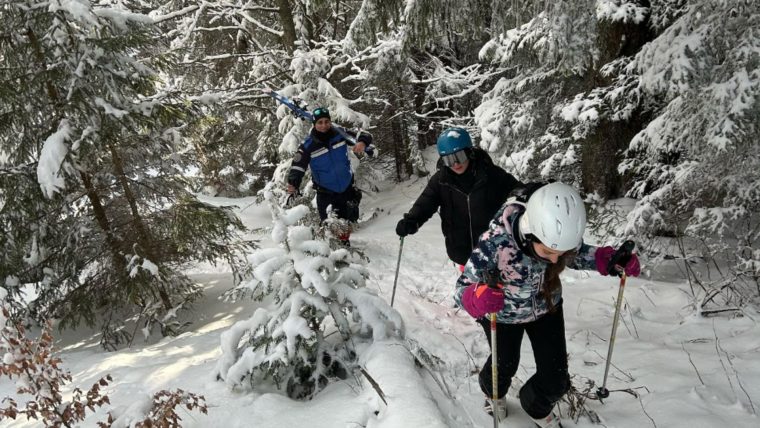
(523, 192)
(406, 226)
(364, 137)
(624, 260)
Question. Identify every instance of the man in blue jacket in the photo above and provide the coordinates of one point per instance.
(325, 151)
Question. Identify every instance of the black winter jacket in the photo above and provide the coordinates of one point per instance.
(464, 215)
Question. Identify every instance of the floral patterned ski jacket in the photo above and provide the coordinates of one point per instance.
(520, 274)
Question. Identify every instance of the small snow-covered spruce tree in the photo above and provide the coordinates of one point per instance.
(314, 302)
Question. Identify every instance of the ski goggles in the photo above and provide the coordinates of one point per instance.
(459, 157)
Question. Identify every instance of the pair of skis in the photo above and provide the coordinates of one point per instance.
(304, 114)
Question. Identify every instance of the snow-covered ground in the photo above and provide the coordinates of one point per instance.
(686, 371)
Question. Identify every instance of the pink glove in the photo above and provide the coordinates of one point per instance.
(603, 256)
(479, 300)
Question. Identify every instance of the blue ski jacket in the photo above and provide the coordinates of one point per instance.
(327, 156)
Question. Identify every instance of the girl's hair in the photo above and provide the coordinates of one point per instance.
(551, 277)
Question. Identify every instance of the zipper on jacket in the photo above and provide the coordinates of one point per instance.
(469, 210)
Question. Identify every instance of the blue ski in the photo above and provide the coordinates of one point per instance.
(295, 108)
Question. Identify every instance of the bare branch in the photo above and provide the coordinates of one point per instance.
(692, 364)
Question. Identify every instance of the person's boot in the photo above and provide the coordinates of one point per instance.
(502, 403)
(343, 239)
(551, 421)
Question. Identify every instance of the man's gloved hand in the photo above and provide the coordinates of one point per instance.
(613, 262)
(406, 226)
(365, 138)
(480, 299)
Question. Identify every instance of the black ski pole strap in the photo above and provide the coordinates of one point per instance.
(492, 278)
(620, 258)
(291, 198)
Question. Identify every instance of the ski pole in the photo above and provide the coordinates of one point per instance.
(492, 281)
(398, 265)
(494, 374)
(621, 256)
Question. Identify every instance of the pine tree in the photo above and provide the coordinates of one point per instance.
(99, 217)
(696, 164)
(419, 60)
(308, 292)
(229, 51)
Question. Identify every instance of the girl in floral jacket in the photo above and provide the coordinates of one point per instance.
(514, 272)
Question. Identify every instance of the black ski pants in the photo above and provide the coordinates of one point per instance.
(345, 204)
(551, 380)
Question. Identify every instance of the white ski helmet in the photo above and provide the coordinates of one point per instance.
(556, 216)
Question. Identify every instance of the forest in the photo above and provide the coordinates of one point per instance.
(117, 118)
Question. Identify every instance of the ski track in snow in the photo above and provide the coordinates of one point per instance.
(688, 371)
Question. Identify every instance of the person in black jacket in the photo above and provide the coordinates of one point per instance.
(468, 188)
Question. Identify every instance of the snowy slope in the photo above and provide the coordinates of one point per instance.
(687, 371)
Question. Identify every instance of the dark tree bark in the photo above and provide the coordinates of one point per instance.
(288, 27)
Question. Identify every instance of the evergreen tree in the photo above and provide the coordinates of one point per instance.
(418, 62)
(229, 51)
(696, 165)
(99, 220)
(554, 53)
(308, 293)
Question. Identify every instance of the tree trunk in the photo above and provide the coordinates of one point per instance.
(400, 155)
(143, 235)
(288, 27)
(603, 151)
(102, 218)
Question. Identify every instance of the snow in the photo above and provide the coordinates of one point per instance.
(79, 10)
(122, 18)
(621, 11)
(687, 370)
(54, 151)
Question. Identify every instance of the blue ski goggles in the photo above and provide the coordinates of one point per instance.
(459, 157)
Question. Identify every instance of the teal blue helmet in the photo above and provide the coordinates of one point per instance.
(453, 140)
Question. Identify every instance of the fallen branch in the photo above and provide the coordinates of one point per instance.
(374, 384)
